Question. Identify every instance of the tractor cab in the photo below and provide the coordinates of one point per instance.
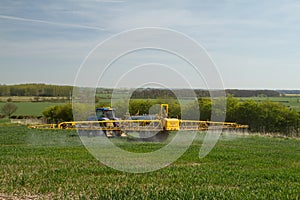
(105, 114)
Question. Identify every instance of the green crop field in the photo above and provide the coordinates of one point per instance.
(53, 164)
(31, 108)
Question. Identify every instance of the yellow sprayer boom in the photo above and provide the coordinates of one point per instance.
(160, 124)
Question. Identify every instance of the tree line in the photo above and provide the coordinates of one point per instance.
(140, 93)
(35, 90)
(166, 93)
(262, 117)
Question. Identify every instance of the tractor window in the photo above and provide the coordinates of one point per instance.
(110, 114)
(99, 114)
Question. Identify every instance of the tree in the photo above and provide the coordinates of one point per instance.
(59, 113)
(263, 117)
(139, 107)
(231, 109)
(249, 112)
(8, 109)
(191, 111)
(205, 106)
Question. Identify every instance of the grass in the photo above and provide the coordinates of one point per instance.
(4, 120)
(54, 164)
(31, 108)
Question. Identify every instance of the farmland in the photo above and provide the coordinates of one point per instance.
(54, 164)
(31, 108)
(28, 108)
(291, 101)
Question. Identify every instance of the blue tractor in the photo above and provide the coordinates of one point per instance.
(106, 114)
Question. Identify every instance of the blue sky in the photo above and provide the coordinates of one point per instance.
(255, 44)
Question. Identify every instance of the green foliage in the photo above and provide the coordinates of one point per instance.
(261, 116)
(8, 109)
(250, 113)
(265, 116)
(141, 107)
(121, 108)
(174, 109)
(103, 104)
(190, 111)
(205, 108)
(59, 113)
(231, 109)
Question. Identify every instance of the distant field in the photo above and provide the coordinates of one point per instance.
(41, 164)
(292, 95)
(31, 98)
(31, 108)
(291, 101)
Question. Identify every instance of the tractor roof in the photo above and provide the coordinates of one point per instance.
(105, 109)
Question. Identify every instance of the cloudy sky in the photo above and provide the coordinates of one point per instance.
(254, 44)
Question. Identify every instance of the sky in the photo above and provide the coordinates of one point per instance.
(253, 44)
